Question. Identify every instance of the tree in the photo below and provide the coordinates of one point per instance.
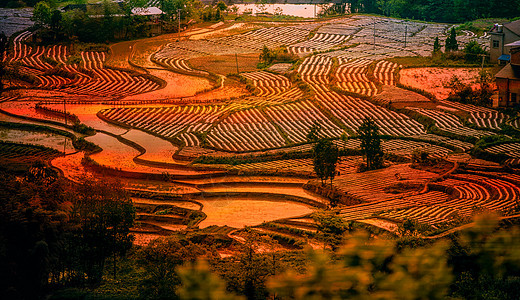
(325, 159)
(266, 55)
(42, 14)
(31, 229)
(473, 52)
(477, 92)
(221, 5)
(198, 283)
(314, 133)
(331, 228)
(218, 14)
(3, 54)
(366, 268)
(103, 214)
(371, 144)
(451, 42)
(436, 46)
(160, 258)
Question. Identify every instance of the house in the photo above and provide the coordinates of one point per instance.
(508, 79)
(500, 37)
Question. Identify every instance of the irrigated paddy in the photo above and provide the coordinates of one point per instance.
(245, 211)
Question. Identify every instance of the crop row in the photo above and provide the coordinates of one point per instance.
(384, 72)
(267, 83)
(480, 116)
(177, 63)
(352, 76)
(319, 42)
(167, 121)
(511, 149)
(246, 130)
(351, 111)
(108, 82)
(271, 37)
(296, 120)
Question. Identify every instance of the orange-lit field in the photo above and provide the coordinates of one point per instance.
(435, 80)
(198, 145)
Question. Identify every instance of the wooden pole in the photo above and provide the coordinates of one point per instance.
(236, 60)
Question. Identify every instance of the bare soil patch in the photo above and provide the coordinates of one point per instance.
(178, 86)
(226, 64)
(392, 94)
(433, 80)
(240, 212)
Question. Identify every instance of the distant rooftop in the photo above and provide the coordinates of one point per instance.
(146, 11)
(509, 72)
(285, 1)
(513, 44)
(514, 27)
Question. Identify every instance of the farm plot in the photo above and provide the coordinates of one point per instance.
(480, 116)
(296, 119)
(478, 192)
(352, 76)
(370, 186)
(41, 62)
(367, 210)
(169, 121)
(351, 111)
(157, 149)
(320, 41)
(511, 149)
(399, 147)
(17, 156)
(107, 82)
(175, 57)
(272, 37)
(118, 156)
(248, 211)
(428, 214)
(407, 148)
(346, 165)
(464, 146)
(434, 80)
(450, 123)
(49, 140)
(246, 130)
(268, 84)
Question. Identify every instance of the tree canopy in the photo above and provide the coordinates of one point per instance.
(371, 144)
(325, 159)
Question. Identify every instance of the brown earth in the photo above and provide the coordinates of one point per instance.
(433, 80)
(226, 64)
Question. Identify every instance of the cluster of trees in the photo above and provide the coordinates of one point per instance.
(438, 10)
(472, 53)
(109, 21)
(371, 144)
(270, 56)
(477, 92)
(478, 263)
(326, 155)
(54, 233)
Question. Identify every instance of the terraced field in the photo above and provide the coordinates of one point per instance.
(344, 67)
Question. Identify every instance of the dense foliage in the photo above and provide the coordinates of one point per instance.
(477, 92)
(371, 144)
(54, 233)
(109, 20)
(439, 10)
